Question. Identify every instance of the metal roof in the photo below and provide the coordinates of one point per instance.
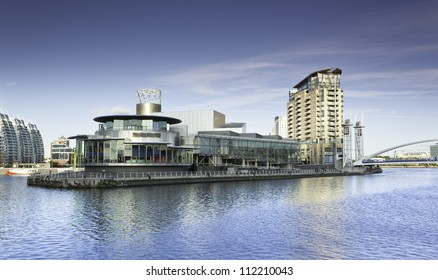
(323, 71)
(169, 120)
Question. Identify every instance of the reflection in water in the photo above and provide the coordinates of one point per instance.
(389, 216)
(323, 225)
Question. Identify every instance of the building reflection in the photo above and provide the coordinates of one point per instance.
(322, 221)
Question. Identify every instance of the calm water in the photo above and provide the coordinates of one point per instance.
(393, 215)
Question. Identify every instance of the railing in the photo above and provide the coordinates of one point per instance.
(382, 161)
(183, 174)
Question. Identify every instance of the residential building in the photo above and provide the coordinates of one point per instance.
(20, 142)
(280, 126)
(315, 116)
(60, 151)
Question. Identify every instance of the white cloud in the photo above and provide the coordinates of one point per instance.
(118, 110)
(392, 95)
(11, 84)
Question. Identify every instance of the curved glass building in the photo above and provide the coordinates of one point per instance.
(20, 142)
(151, 141)
(134, 142)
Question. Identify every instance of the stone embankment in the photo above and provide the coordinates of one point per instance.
(136, 179)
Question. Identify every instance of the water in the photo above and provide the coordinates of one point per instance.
(387, 216)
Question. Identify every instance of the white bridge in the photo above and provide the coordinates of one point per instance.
(367, 160)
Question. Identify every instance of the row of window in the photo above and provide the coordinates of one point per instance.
(116, 151)
(144, 125)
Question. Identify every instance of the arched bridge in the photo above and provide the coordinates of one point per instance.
(367, 158)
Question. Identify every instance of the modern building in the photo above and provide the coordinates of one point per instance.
(153, 141)
(134, 142)
(193, 121)
(400, 154)
(280, 126)
(434, 151)
(20, 142)
(315, 116)
(60, 151)
(245, 150)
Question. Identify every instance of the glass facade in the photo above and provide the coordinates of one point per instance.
(101, 151)
(243, 150)
(134, 140)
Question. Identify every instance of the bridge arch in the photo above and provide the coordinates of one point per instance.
(360, 161)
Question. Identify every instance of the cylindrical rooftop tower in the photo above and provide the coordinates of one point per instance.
(148, 101)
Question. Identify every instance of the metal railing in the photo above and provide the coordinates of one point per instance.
(184, 174)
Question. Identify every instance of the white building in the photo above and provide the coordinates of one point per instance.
(194, 121)
(280, 126)
(60, 151)
(411, 155)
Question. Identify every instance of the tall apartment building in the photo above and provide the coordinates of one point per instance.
(20, 142)
(280, 126)
(315, 115)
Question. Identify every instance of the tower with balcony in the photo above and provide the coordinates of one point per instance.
(315, 116)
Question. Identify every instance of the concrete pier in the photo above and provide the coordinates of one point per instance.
(137, 179)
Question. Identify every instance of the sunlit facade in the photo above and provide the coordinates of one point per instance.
(60, 151)
(20, 142)
(315, 115)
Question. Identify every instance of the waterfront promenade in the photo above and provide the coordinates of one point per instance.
(131, 179)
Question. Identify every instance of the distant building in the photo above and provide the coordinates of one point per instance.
(280, 126)
(434, 151)
(411, 155)
(20, 142)
(315, 115)
(60, 151)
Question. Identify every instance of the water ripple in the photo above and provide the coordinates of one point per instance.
(387, 216)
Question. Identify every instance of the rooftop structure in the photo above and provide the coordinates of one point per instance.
(193, 121)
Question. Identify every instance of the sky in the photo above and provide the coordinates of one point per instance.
(63, 63)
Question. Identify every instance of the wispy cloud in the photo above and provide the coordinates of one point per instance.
(393, 95)
(11, 84)
(118, 110)
(230, 84)
(267, 78)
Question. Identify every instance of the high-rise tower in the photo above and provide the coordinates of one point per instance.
(315, 115)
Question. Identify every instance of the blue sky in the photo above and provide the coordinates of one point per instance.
(62, 63)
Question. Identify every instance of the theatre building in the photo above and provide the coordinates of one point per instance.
(151, 141)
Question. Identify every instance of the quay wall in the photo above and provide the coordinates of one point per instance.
(103, 180)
